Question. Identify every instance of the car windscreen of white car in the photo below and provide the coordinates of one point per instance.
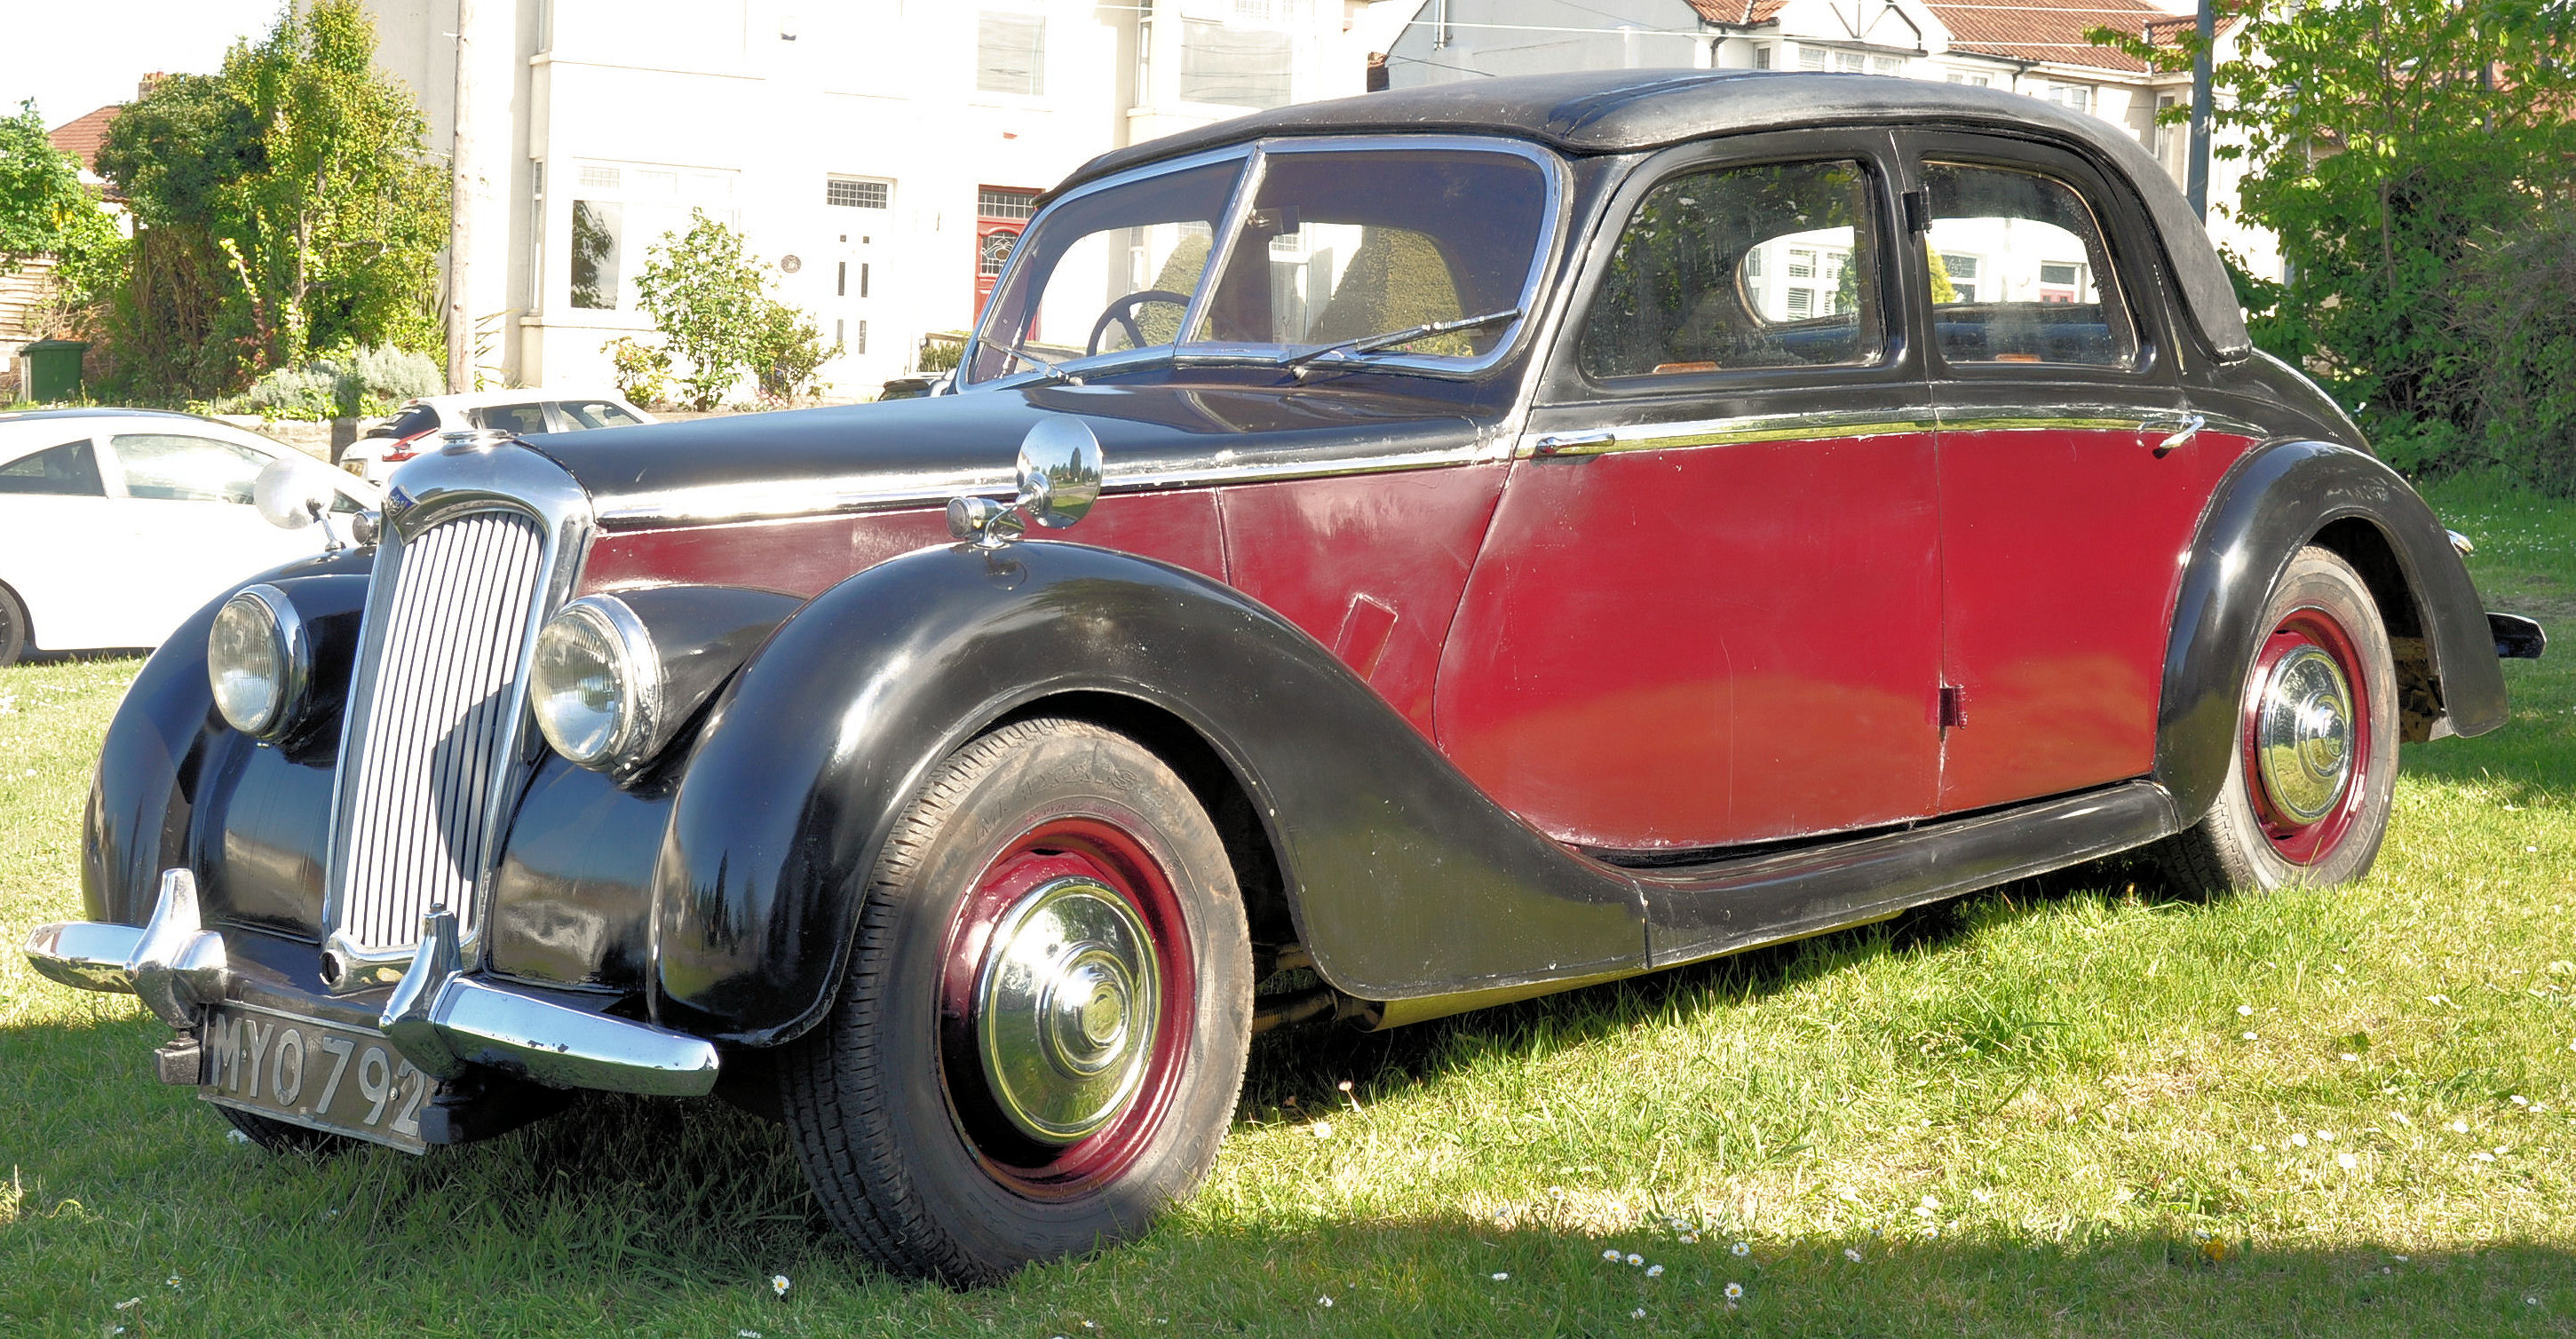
(68, 470)
(525, 420)
(598, 414)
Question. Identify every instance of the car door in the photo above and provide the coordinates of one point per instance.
(57, 531)
(191, 526)
(2064, 514)
(1707, 609)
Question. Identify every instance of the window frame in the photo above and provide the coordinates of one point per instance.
(2134, 251)
(1563, 380)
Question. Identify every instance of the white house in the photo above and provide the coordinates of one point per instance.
(880, 155)
(2039, 50)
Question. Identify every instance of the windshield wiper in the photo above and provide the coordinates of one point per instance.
(1051, 371)
(1373, 343)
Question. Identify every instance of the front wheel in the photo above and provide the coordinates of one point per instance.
(2315, 763)
(1041, 1034)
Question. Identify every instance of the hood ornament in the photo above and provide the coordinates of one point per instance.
(1059, 479)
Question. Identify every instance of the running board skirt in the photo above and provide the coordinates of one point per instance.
(1702, 911)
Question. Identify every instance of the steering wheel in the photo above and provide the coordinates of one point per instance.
(1122, 312)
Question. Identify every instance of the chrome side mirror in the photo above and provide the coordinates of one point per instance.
(1059, 479)
(292, 492)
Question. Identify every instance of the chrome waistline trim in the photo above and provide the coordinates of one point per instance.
(2076, 417)
(716, 504)
(452, 482)
(1724, 432)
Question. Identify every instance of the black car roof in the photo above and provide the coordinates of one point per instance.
(1627, 111)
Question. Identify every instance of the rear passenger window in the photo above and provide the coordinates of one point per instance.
(69, 470)
(2019, 272)
(1741, 268)
(597, 414)
(525, 420)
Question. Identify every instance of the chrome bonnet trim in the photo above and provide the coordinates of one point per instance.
(456, 481)
(776, 501)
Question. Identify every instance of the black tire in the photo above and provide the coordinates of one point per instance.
(896, 1124)
(279, 1137)
(2246, 840)
(14, 632)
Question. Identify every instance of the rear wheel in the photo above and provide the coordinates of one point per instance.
(1041, 1034)
(13, 627)
(2315, 762)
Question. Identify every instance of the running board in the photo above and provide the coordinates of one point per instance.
(1703, 911)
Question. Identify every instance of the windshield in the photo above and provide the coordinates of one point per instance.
(1337, 245)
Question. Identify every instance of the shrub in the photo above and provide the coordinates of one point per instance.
(354, 381)
(294, 392)
(642, 372)
(2522, 295)
(939, 355)
(388, 376)
(788, 351)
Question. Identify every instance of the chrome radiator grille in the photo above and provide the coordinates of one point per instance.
(431, 728)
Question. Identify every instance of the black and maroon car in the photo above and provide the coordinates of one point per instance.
(1522, 534)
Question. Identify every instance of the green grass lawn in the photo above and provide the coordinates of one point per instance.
(2071, 1107)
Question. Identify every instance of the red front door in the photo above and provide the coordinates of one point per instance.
(1708, 608)
(1001, 214)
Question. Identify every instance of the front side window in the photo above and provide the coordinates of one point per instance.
(2020, 273)
(524, 420)
(69, 470)
(1337, 247)
(598, 414)
(168, 467)
(1741, 268)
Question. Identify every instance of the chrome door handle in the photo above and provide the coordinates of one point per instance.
(2181, 438)
(1561, 443)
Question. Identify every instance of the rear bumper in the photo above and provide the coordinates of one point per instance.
(442, 1019)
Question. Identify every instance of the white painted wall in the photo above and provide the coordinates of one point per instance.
(747, 108)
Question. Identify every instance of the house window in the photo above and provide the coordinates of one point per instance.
(1851, 62)
(2073, 97)
(863, 278)
(1010, 53)
(1762, 58)
(841, 280)
(861, 346)
(1972, 80)
(857, 194)
(1809, 58)
(1802, 264)
(1239, 67)
(1802, 303)
(1963, 275)
(599, 178)
(1886, 65)
(596, 230)
(993, 202)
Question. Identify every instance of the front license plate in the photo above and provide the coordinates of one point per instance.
(342, 1079)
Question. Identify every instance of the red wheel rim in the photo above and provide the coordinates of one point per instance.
(1099, 851)
(2304, 640)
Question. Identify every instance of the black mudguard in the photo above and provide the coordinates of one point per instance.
(2273, 502)
(176, 786)
(1403, 878)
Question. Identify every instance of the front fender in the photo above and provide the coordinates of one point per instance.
(1404, 879)
(2272, 502)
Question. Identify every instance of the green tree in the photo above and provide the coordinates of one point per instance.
(2391, 146)
(45, 211)
(712, 304)
(287, 204)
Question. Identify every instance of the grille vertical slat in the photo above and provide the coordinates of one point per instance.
(416, 829)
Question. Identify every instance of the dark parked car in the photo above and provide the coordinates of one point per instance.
(1551, 529)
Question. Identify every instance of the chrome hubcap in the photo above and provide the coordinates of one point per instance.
(2303, 734)
(1065, 1009)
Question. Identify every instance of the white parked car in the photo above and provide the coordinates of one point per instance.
(415, 427)
(116, 524)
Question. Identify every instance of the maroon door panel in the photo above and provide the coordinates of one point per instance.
(1370, 565)
(1705, 645)
(809, 556)
(2061, 554)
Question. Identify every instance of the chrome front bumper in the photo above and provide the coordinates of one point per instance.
(441, 1019)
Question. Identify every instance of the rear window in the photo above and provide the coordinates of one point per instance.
(69, 470)
(412, 422)
(598, 414)
(526, 420)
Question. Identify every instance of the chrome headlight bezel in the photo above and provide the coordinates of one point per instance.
(634, 666)
(290, 666)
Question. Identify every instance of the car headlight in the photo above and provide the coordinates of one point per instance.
(257, 660)
(597, 683)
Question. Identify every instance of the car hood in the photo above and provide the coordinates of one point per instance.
(1151, 436)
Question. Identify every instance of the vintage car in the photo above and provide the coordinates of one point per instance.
(1521, 534)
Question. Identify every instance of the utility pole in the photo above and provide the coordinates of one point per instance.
(2197, 183)
(460, 205)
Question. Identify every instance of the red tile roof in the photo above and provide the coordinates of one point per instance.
(1738, 13)
(81, 137)
(2053, 32)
